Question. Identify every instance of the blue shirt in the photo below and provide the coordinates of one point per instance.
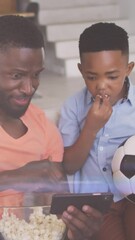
(96, 173)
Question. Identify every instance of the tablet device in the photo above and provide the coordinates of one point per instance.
(99, 201)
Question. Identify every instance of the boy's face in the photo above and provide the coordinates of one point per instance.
(104, 73)
(19, 79)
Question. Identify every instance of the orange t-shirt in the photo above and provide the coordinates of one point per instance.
(42, 141)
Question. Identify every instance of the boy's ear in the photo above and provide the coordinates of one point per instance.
(80, 67)
(130, 68)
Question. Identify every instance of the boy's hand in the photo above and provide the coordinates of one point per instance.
(99, 113)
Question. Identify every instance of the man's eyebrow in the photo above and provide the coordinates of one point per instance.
(25, 70)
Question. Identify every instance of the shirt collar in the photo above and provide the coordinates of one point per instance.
(131, 93)
(88, 97)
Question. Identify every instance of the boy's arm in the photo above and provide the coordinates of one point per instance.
(113, 227)
(76, 155)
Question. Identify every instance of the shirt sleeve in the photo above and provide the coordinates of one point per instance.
(68, 122)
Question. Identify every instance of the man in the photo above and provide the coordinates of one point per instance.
(31, 147)
(27, 136)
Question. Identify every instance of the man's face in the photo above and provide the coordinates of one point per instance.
(19, 79)
(104, 73)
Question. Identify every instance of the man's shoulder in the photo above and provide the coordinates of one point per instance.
(33, 112)
(34, 109)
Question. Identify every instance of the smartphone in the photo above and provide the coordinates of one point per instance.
(99, 201)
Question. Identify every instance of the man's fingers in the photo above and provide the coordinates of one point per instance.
(79, 223)
(92, 212)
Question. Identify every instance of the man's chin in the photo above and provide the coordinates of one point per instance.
(18, 113)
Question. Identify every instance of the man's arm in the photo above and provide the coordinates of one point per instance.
(35, 176)
(112, 227)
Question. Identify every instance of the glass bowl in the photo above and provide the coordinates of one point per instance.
(30, 223)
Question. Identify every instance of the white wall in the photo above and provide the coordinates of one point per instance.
(127, 10)
(132, 14)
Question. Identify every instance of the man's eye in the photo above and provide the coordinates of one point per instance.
(16, 76)
(36, 75)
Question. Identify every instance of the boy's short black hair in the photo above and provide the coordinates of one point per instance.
(104, 36)
(18, 31)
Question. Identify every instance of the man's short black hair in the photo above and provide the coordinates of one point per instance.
(18, 31)
(104, 36)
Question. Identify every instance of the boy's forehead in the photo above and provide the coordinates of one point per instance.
(107, 59)
(105, 53)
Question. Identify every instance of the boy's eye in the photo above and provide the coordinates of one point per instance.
(113, 77)
(91, 78)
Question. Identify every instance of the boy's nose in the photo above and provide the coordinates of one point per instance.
(101, 85)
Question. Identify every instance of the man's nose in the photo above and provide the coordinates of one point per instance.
(27, 87)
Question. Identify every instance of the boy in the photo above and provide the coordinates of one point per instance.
(100, 117)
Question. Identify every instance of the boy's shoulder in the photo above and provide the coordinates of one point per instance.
(78, 97)
(131, 92)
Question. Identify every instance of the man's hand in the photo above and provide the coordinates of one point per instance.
(35, 176)
(82, 225)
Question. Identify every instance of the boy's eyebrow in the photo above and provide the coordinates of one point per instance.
(93, 73)
(113, 71)
(109, 72)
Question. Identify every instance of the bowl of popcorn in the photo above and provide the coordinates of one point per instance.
(30, 223)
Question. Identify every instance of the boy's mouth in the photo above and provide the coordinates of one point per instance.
(101, 97)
